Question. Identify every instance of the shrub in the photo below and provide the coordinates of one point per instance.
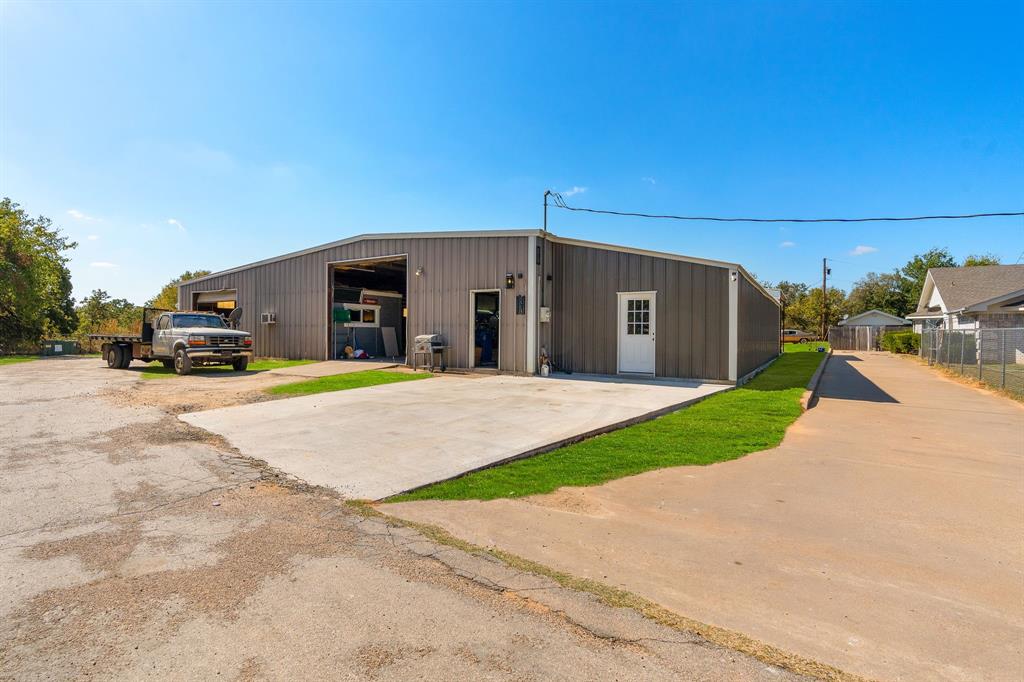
(901, 342)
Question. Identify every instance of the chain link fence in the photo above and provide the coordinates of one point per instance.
(994, 356)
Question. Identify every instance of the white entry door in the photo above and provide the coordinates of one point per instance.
(636, 332)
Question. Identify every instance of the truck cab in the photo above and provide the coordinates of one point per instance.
(199, 338)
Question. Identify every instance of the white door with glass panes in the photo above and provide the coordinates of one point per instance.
(636, 332)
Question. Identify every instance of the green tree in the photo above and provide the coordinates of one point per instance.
(805, 313)
(886, 291)
(168, 296)
(35, 283)
(790, 294)
(981, 259)
(917, 268)
(100, 314)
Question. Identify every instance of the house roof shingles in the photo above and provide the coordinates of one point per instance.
(963, 287)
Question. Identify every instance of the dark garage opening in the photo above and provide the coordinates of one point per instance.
(222, 302)
(368, 309)
(487, 313)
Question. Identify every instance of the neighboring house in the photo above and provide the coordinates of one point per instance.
(874, 318)
(978, 297)
(505, 300)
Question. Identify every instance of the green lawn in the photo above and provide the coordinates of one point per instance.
(13, 359)
(155, 370)
(810, 346)
(341, 382)
(723, 427)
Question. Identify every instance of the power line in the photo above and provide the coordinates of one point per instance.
(560, 203)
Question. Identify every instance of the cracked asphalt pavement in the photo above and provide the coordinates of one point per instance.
(134, 546)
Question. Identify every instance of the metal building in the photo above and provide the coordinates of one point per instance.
(504, 300)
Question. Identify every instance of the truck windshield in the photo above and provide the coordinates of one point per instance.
(185, 321)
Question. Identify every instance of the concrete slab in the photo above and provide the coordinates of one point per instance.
(374, 442)
(329, 368)
(131, 550)
(882, 536)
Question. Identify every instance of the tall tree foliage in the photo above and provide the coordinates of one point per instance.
(917, 268)
(35, 283)
(805, 312)
(981, 259)
(98, 313)
(887, 292)
(894, 292)
(168, 296)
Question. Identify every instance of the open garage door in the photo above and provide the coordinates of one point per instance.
(368, 308)
(223, 301)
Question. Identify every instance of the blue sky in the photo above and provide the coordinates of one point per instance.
(174, 136)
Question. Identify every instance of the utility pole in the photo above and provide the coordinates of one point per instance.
(824, 298)
(547, 193)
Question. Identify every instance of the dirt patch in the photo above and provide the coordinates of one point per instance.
(373, 659)
(83, 628)
(96, 551)
(129, 443)
(286, 526)
(571, 500)
(251, 670)
(194, 393)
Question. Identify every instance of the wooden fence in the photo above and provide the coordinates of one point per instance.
(859, 337)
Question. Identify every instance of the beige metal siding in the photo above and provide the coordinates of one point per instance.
(758, 328)
(296, 289)
(692, 326)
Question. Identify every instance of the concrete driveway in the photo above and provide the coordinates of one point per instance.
(374, 442)
(136, 547)
(884, 536)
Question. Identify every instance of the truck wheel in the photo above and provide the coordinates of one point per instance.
(239, 364)
(182, 362)
(114, 357)
(126, 357)
(169, 364)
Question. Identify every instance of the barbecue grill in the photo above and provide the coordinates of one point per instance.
(430, 346)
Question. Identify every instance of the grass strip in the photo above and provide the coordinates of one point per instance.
(14, 359)
(342, 382)
(155, 370)
(619, 598)
(724, 426)
(810, 347)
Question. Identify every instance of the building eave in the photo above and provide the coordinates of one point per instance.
(664, 254)
(452, 234)
(492, 233)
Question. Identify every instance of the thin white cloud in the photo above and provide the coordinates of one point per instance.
(787, 245)
(93, 237)
(861, 250)
(574, 190)
(177, 224)
(650, 180)
(102, 264)
(78, 215)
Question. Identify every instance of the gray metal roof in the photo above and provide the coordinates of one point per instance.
(965, 287)
(874, 311)
(491, 233)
